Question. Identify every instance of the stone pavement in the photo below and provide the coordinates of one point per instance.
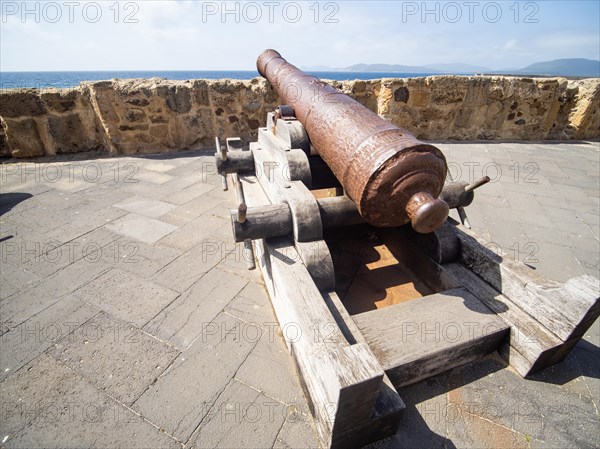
(128, 318)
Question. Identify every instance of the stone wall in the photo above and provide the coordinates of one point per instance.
(157, 115)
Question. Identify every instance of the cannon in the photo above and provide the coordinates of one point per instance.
(391, 176)
(346, 216)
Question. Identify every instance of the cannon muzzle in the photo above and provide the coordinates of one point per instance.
(391, 176)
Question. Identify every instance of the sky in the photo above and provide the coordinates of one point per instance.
(84, 35)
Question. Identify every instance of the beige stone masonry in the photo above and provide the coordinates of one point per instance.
(157, 115)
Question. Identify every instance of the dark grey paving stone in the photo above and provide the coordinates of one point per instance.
(270, 369)
(14, 279)
(205, 227)
(589, 259)
(187, 212)
(158, 166)
(54, 256)
(29, 339)
(49, 406)
(84, 223)
(23, 246)
(21, 306)
(114, 356)
(14, 184)
(182, 396)
(234, 263)
(538, 410)
(424, 421)
(297, 432)
(189, 193)
(127, 296)
(185, 270)
(153, 177)
(182, 321)
(139, 258)
(558, 262)
(240, 417)
(147, 207)
(144, 229)
(253, 306)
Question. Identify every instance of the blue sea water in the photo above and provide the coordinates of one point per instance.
(45, 80)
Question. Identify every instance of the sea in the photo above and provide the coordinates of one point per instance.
(46, 80)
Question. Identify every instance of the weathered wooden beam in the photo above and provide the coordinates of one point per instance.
(342, 379)
(275, 220)
(531, 346)
(426, 336)
(567, 310)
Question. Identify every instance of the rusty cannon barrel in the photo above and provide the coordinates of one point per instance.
(392, 177)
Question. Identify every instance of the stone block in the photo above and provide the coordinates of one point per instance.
(177, 97)
(114, 356)
(240, 417)
(21, 103)
(181, 322)
(60, 100)
(21, 306)
(147, 207)
(127, 296)
(182, 397)
(29, 339)
(141, 228)
(184, 271)
(50, 406)
(23, 138)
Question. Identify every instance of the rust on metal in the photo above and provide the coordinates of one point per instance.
(391, 176)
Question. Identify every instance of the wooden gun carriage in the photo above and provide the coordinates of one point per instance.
(373, 286)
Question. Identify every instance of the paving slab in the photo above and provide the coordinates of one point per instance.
(144, 229)
(185, 270)
(180, 399)
(29, 339)
(252, 305)
(267, 370)
(159, 166)
(14, 279)
(153, 177)
(182, 321)
(127, 296)
(240, 417)
(49, 256)
(203, 228)
(145, 206)
(115, 356)
(139, 258)
(52, 407)
(171, 249)
(19, 307)
(187, 212)
(297, 432)
(189, 193)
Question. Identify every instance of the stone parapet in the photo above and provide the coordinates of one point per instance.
(157, 115)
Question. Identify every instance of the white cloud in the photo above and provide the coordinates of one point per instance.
(177, 35)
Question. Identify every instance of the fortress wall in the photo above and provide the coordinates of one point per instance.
(157, 115)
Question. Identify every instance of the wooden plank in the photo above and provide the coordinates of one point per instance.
(420, 264)
(531, 346)
(423, 337)
(389, 405)
(441, 245)
(566, 310)
(306, 218)
(343, 380)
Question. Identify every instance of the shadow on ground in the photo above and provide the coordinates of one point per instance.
(10, 200)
